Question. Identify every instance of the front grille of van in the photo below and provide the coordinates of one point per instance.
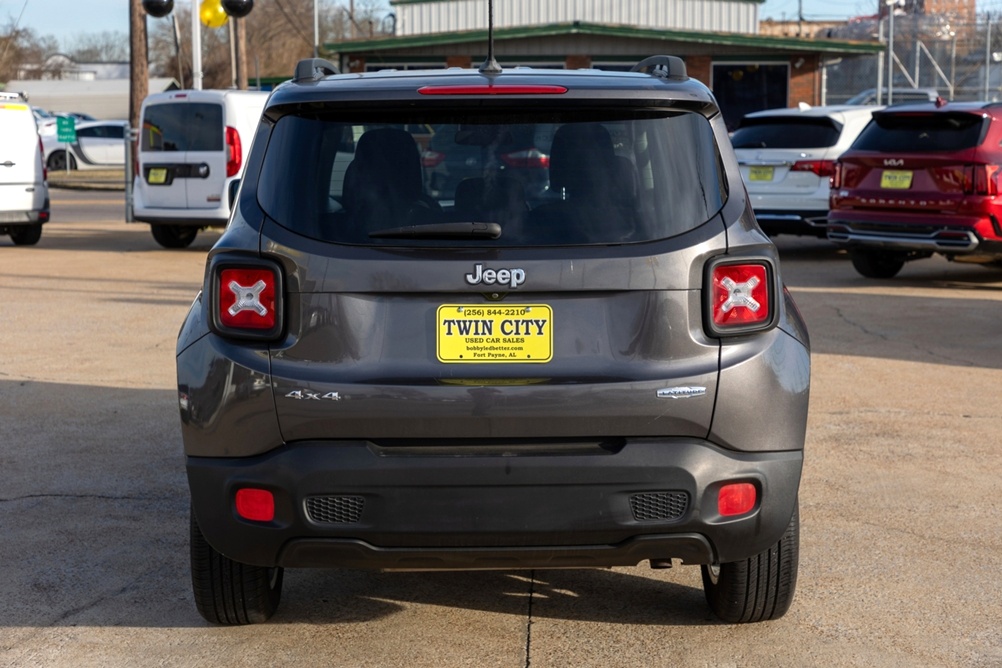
(659, 506)
(335, 509)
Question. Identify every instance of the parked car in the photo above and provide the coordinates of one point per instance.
(787, 158)
(192, 148)
(99, 145)
(921, 179)
(899, 95)
(44, 121)
(455, 154)
(24, 193)
(377, 376)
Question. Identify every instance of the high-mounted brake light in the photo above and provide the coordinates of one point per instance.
(235, 154)
(740, 297)
(818, 167)
(489, 89)
(246, 300)
(256, 505)
(432, 158)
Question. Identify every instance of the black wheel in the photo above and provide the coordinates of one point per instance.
(875, 263)
(759, 588)
(26, 235)
(174, 236)
(228, 592)
(57, 161)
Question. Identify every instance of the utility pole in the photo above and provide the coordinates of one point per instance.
(800, 18)
(139, 84)
(240, 29)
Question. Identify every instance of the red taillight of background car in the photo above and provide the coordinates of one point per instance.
(246, 300)
(235, 154)
(740, 297)
(531, 158)
(818, 167)
(981, 179)
(256, 505)
(432, 158)
(836, 177)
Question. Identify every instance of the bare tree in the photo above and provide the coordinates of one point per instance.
(102, 47)
(21, 49)
(279, 33)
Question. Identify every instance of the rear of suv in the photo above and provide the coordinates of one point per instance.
(603, 372)
(921, 179)
(787, 158)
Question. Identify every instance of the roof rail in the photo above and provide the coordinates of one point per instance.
(666, 67)
(314, 69)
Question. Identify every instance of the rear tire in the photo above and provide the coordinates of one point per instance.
(759, 588)
(174, 236)
(57, 161)
(26, 235)
(228, 592)
(875, 263)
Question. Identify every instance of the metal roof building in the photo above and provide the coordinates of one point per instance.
(718, 39)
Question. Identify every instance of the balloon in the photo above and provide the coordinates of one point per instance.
(211, 13)
(238, 8)
(158, 8)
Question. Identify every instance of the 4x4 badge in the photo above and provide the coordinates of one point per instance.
(307, 394)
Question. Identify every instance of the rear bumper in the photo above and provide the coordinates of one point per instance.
(355, 504)
(781, 221)
(949, 240)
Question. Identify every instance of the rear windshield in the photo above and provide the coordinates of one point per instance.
(921, 132)
(182, 126)
(786, 132)
(481, 178)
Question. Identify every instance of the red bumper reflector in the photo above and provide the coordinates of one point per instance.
(736, 499)
(256, 505)
(487, 89)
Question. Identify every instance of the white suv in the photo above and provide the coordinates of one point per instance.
(786, 158)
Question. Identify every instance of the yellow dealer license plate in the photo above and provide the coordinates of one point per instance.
(760, 173)
(896, 179)
(157, 176)
(494, 334)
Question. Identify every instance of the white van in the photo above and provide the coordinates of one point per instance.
(24, 194)
(192, 145)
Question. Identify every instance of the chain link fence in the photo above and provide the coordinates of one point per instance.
(959, 58)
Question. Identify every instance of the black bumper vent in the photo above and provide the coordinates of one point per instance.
(335, 509)
(660, 506)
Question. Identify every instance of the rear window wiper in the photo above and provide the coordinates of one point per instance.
(471, 230)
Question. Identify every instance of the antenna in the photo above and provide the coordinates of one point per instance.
(490, 66)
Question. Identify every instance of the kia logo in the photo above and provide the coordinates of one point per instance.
(894, 162)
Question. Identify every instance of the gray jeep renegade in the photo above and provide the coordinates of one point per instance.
(567, 346)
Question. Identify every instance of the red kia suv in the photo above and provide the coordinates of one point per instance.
(920, 179)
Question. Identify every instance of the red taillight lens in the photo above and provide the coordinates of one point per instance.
(818, 167)
(740, 297)
(836, 179)
(736, 499)
(432, 158)
(235, 155)
(247, 299)
(41, 152)
(528, 159)
(981, 179)
(256, 505)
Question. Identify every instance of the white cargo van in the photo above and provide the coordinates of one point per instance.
(192, 146)
(24, 194)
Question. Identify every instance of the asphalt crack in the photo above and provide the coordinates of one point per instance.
(528, 625)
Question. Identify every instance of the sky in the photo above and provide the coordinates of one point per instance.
(65, 19)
